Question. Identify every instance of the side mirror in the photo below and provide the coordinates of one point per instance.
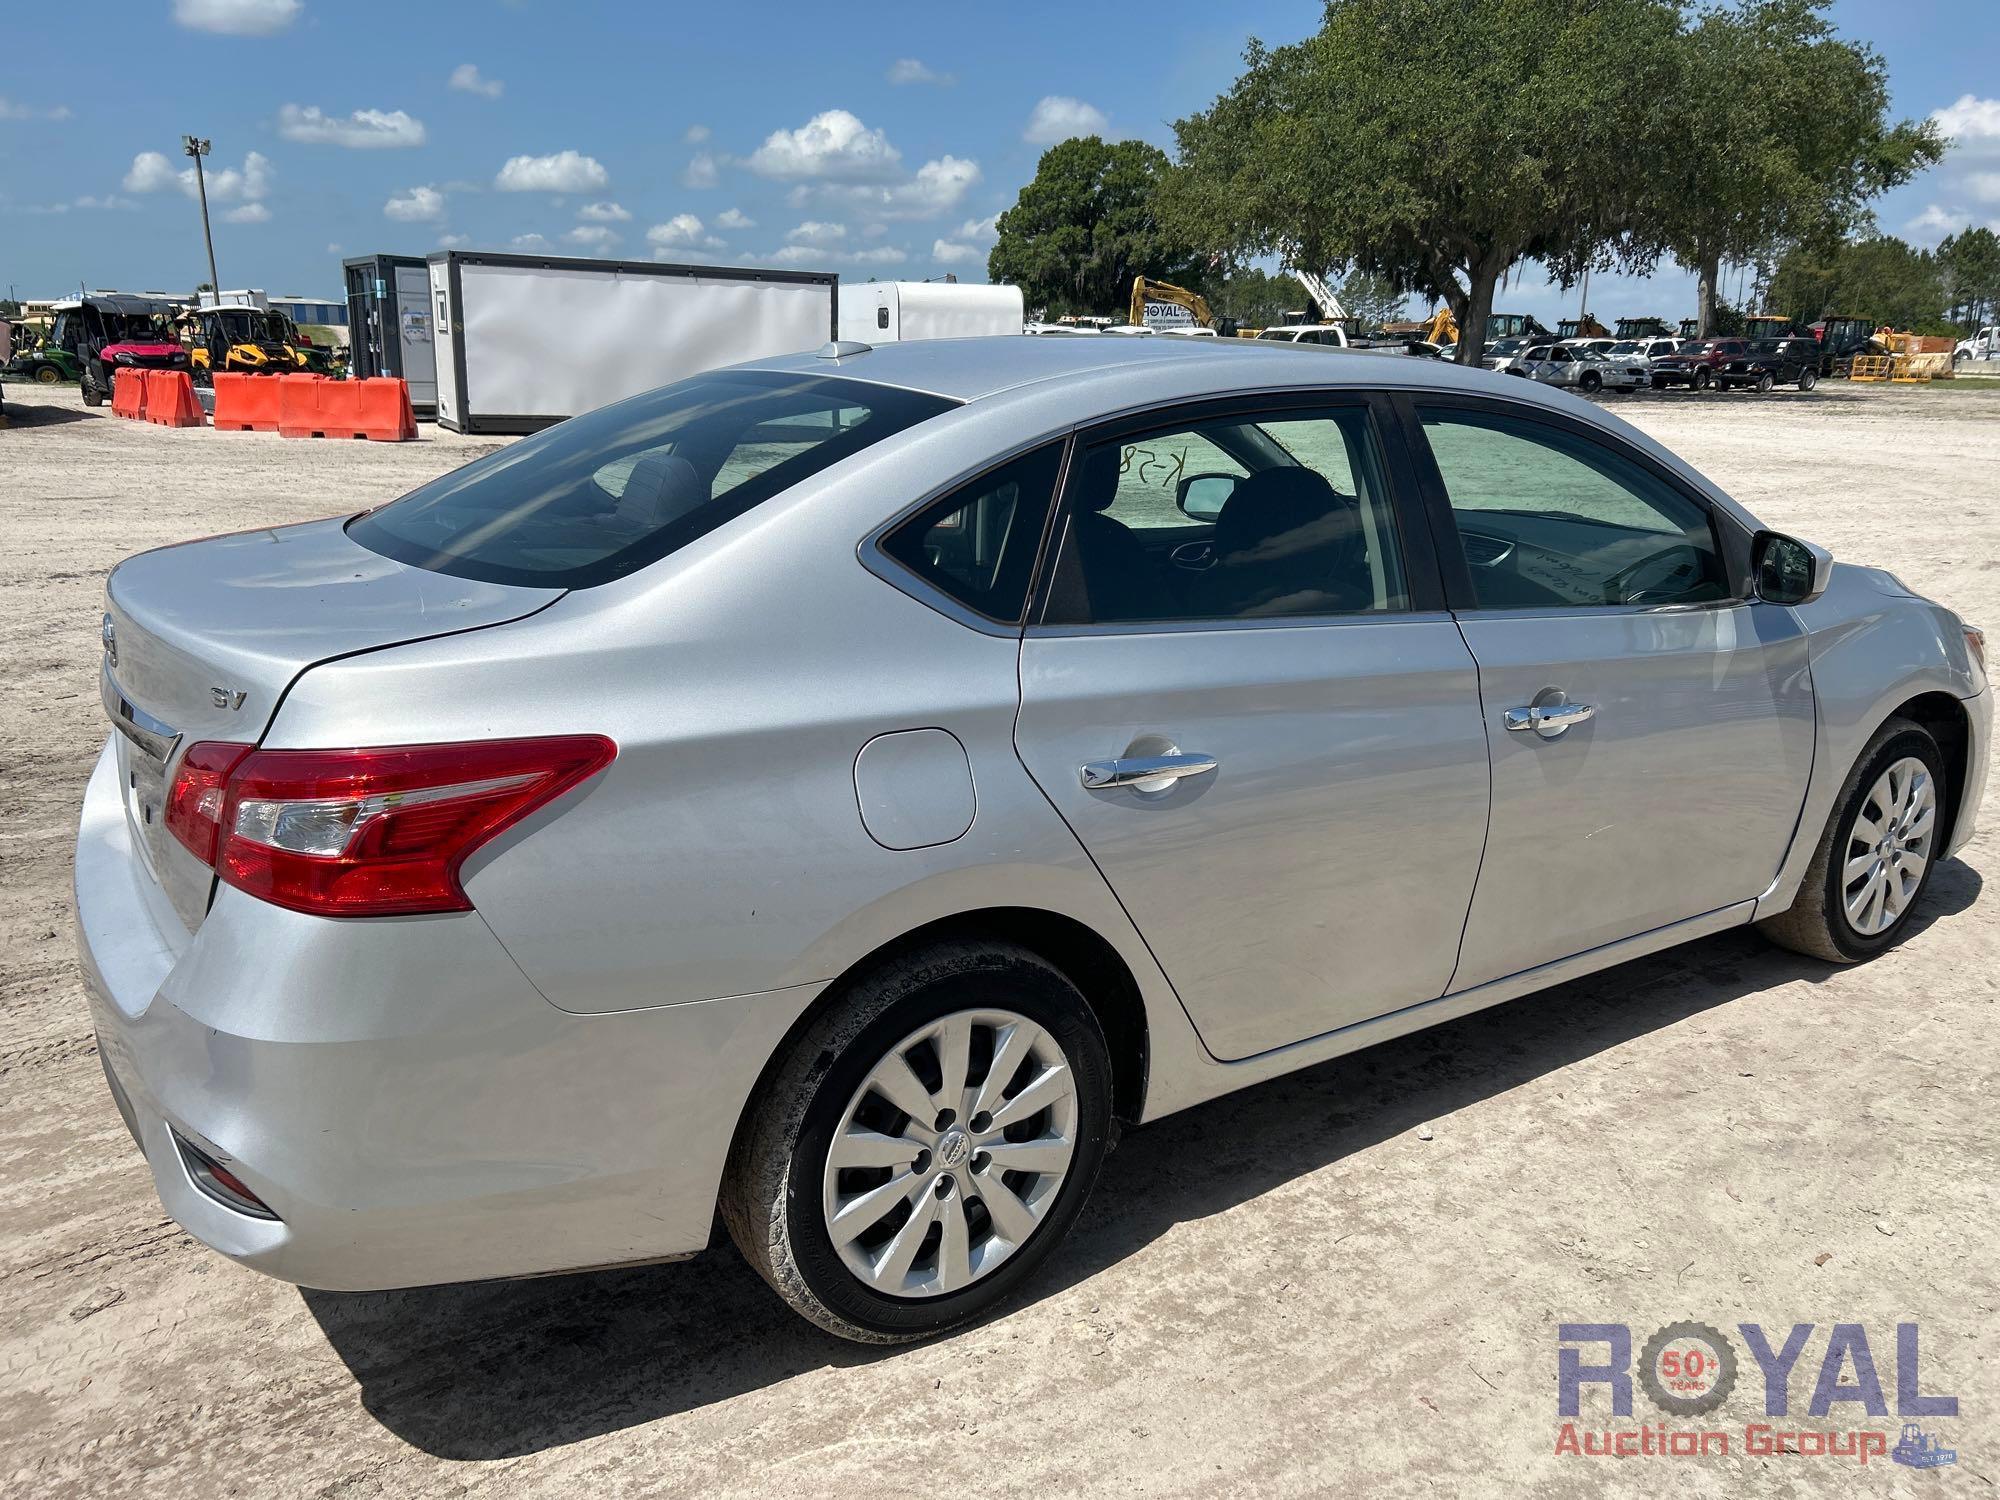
(1785, 570)
(1202, 496)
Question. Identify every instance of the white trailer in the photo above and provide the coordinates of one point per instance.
(524, 341)
(886, 312)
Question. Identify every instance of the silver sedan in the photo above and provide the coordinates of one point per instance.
(1584, 370)
(838, 791)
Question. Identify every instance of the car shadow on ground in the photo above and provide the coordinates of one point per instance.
(500, 1369)
(18, 414)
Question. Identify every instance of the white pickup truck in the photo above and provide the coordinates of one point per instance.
(1983, 348)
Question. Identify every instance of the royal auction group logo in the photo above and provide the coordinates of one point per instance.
(1689, 1370)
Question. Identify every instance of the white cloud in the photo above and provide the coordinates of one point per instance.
(1985, 186)
(417, 205)
(604, 213)
(238, 17)
(529, 242)
(820, 255)
(694, 135)
(734, 218)
(1058, 117)
(563, 172)
(9, 110)
(682, 232)
(815, 232)
(333, 247)
(109, 200)
(969, 242)
(465, 78)
(363, 130)
(452, 241)
(909, 70)
(595, 236)
(834, 144)
(1970, 119)
(248, 213)
(151, 173)
(701, 171)
(937, 187)
(951, 253)
(1934, 221)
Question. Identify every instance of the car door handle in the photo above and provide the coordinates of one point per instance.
(1549, 719)
(1149, 773)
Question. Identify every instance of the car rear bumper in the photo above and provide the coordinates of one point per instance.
(408, 1105)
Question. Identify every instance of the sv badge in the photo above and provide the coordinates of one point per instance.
(223, 698)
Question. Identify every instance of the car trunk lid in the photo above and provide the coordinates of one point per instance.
(202, 640)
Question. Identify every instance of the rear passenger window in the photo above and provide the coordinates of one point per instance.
(978, 543)
(1242, 517)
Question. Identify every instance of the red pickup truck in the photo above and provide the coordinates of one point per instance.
(1695, 363)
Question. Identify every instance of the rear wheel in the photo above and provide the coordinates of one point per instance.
(1808, 378)
(1875, 859)
(47, 375)
(925, 1145)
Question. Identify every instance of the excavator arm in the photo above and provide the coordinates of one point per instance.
(1144, 291)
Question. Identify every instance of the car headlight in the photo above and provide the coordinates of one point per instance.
(122, 357)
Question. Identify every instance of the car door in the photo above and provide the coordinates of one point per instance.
(1272, 749)
(1651, 727)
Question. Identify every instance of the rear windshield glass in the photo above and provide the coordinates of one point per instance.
(604, 494)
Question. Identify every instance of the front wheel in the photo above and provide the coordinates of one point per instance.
(925, 1145)
(93, 393)
(1703, 379)
(1590, 382)
(1875, 859)
(1808, 378)
(1764, 383)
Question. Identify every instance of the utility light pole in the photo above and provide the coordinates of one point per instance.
(197, 148)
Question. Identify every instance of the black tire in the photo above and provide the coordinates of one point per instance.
(1659, 384)
(1764, 383)
(772, 1190)
(1590, 382)
(47, 375)
(1703, 378)
(1817, 923)
(1808, 378)
(93, 393)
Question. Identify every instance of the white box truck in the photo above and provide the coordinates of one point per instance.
(886, 312)
(524, 341)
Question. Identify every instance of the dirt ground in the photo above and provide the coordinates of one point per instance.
(1346, 1281)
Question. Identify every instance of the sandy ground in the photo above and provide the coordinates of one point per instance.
(1289, 1291)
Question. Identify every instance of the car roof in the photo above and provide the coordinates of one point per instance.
(1173, 369)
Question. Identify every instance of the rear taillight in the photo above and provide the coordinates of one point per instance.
(366, 833)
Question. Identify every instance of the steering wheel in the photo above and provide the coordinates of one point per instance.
(1662, 578)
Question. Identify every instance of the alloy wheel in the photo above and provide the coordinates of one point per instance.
(1888, 847)
(950, 1154)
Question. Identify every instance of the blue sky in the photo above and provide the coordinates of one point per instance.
(878, 142)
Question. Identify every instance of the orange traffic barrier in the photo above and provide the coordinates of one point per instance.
(170, 400)
(299, 413)
(246, 403)
(383, 403)
(128, 393)
(377, 409)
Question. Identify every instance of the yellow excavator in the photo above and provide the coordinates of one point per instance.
(1144, 291)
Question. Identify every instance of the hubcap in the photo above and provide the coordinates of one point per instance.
(950, 1154)
(1888, 847)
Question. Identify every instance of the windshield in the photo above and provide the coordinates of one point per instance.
(1624, 346)
(606, 493)
(1507, 346)
(135, 328)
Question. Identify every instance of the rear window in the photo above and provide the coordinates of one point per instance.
(604, 494)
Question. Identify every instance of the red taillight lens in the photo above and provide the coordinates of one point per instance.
(194, 801)
(382, 832)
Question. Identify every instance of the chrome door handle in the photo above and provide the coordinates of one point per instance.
(1149, 773)
(1549, 720)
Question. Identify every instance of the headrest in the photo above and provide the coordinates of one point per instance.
(662, 488)
(1278, 503)
(1097, 484)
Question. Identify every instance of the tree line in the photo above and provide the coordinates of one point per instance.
(1435, 146)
